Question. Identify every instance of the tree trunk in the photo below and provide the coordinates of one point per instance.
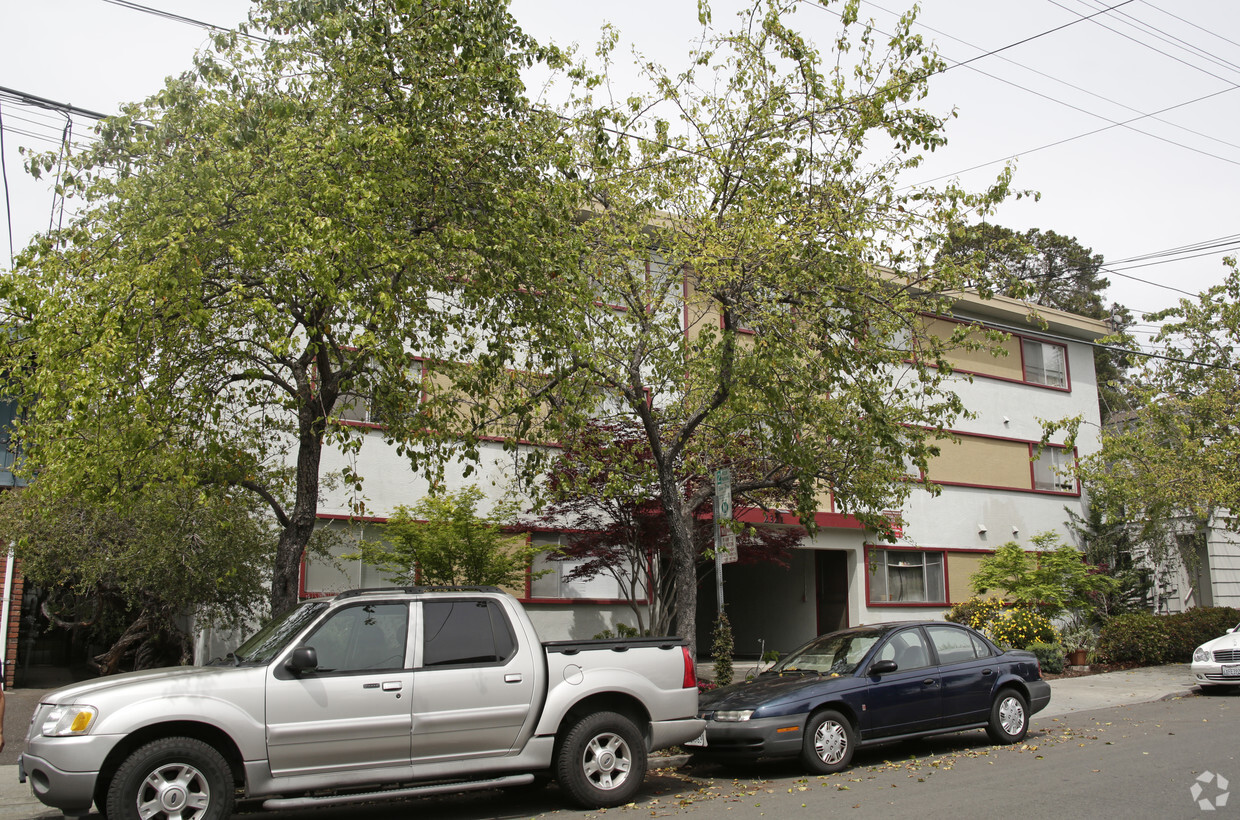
(286, 572)
(684, 559)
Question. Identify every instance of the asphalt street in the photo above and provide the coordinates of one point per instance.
(1111, 745)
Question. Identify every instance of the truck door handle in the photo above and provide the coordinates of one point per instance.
(391, 686)
(513, 678)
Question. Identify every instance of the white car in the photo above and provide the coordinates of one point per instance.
(1217, 662)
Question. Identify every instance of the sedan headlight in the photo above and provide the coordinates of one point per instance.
(1200, 655)
(63, 721)
(734, 716)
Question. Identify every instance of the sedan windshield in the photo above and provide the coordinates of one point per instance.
(836, 654)
(267, 642)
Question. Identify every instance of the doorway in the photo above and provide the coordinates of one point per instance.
(831, 587)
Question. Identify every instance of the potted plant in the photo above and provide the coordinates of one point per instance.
(1080, 641)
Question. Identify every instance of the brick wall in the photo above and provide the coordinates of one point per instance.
(15, 618)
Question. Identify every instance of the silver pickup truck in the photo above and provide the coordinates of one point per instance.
(369, 695)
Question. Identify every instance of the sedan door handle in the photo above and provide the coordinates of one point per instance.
(929, 681)
(391, 686)
(987, 671)
(512, 678)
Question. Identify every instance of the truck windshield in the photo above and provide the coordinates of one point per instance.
(267, 642)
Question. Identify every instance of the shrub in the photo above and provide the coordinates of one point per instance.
(1050, 656)
(1137, 637)
(1188, 630)
(721, 650)
(1019, 627)
(623, 630)
(976, 612)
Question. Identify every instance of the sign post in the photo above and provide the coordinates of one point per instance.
(725, 540)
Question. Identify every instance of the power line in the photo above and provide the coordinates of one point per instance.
(1073, 86)
(51, 105)
(167, 15)
(1146, 44)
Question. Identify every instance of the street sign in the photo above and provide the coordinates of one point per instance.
(723, 494)
(725, 540)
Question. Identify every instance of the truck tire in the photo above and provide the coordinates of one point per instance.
(175, 778)
(602, 761)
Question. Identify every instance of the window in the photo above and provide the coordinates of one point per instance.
(906, 577)
(369, 637)
(1045, 363)
(557, 581)
(1052, 471)
(373, 397)
(465, 632)
(907, 648)
(953, 645)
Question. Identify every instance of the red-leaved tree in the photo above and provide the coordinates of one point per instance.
(604, 493)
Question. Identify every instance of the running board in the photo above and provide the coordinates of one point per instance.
(277, 803)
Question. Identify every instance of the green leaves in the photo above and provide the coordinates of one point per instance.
(369, 186)
(441, 540)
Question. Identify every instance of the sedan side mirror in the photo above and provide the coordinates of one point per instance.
(883, 667)
(302, 659)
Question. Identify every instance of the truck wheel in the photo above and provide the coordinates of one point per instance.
(176, 778)
(602, 761)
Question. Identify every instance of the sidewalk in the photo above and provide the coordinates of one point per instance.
(1067, 695)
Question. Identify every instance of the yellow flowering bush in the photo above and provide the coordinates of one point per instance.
(976, 612)
(1018, 627)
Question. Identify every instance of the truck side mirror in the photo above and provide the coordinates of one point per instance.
(883, 667)
(302, 659)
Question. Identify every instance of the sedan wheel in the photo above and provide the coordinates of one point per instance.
(828, 744)
(1009, 717)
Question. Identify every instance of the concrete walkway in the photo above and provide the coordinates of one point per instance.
(1068, 695)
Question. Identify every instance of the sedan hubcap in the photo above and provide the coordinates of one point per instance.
(1011, 716)
(607, 761)
(174, 792)
(830, 742)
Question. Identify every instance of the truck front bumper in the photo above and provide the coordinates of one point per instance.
(71, 792)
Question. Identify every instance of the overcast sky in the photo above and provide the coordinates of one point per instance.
(1125, 123)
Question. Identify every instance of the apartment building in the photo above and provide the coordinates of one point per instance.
(998, 484)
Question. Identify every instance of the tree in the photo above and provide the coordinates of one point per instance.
(604, 492)
(755, 273)
(1109, 544)
(442, 541)
(270, 240)
(1170, 470)
(1052, 579)
(129, 567)
(1050, 270)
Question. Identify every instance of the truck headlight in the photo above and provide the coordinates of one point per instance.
(1200, 655)
(734, 716)
(63, 721)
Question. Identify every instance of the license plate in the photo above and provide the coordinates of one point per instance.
(1231, 671)
(700, 740)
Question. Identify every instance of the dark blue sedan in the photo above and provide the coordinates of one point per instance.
(873, 684)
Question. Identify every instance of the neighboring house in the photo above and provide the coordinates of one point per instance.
(1203, 570)
(998, 486)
